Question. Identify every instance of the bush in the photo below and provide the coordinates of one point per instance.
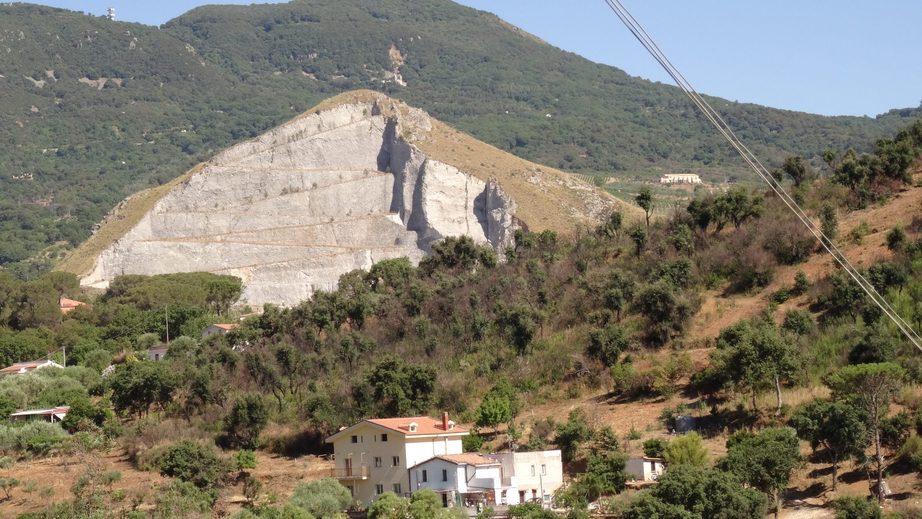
(654, 448)
(322, 498)
(183, 499)
(856, 507)
(688, 449)
(896, 238)
(195, 463)
(246, 419)
(606, 345)
(36, 438)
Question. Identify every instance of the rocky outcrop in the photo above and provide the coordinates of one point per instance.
(290, 211)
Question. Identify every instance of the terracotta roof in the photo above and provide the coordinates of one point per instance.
(228, 326)
(468, 458)
(424, 425)
(68, 305)
(22, 367)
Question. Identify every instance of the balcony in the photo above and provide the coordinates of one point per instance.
(350, 473)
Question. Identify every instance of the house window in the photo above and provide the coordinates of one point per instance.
(397, 488)
(532, 470)
(425, 476)
(444, 475)
(384, 437)
(378, 462)
(543, 470)
(395, 461)
(355, 439)
(379, 489)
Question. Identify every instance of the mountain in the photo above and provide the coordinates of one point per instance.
(358, 179)
(101, 109)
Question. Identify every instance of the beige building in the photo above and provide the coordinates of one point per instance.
(374, 456)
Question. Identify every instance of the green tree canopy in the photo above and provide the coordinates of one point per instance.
(765, 460)
(837, 426)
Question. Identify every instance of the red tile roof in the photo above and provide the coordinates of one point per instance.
(468, 458)
(44, 412)
(424, 425)
(22, 367)
(68, 305)
(229, 326)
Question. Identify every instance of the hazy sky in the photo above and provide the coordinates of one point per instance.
(832, 57)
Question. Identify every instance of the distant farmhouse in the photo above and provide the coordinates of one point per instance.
(69, 305)
(403, 455)
(21, 368)
(680, 178)
(219, 329)
(53, 415)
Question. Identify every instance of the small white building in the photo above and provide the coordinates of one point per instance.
(53, 415)
(680, 178)
(461, 479)
(528, 476)
(645, 468)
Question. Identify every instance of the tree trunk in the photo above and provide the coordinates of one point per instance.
(755, 409)
(778, 395)
(877, 456)
(835, 471)
(777, 503)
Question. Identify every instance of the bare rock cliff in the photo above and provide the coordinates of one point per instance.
(326, 193)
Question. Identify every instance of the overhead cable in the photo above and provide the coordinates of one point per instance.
(753, 162)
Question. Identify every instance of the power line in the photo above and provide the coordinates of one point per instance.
(753, 162)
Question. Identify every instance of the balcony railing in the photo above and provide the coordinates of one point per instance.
(360, 472)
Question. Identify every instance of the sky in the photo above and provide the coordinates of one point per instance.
(831, 57)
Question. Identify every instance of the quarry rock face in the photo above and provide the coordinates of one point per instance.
(292, 210)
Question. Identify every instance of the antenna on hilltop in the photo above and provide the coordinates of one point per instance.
(110, 13)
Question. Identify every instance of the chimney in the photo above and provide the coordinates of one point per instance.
(444, 421)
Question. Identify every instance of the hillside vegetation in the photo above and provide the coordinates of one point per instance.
(98, 110)
(604, 314)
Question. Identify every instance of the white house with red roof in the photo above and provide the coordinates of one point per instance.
(375, 456)
(461, 479)
(21, 368)
(53, 415)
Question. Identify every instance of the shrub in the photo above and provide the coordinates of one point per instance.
(855, 507)
(688, 449)
(195, 463)
(246, 419)
(606, 345)
(321, 498)
(183, 499)
(654, 448)
(896, 238)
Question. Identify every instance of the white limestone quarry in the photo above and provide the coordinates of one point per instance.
(292, 210)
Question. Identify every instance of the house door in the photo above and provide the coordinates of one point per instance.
(348, 467)
(445, 500)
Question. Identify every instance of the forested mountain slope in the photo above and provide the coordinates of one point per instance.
(98, 109)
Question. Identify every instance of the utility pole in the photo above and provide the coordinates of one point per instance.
(167, 324)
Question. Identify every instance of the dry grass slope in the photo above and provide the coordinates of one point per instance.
(118, 222)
